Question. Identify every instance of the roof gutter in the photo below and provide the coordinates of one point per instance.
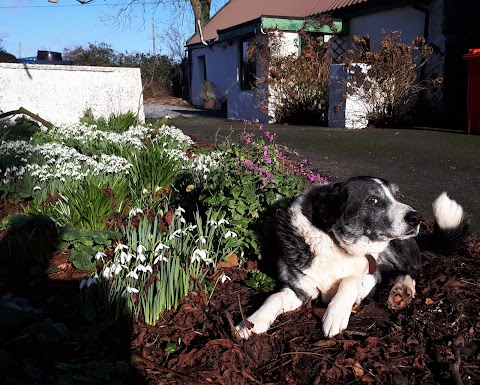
(201, 33)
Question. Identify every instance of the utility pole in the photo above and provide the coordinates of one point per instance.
(153, 35)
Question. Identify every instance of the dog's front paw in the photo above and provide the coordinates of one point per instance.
(400, 296)
(253, 325)
(336, 319)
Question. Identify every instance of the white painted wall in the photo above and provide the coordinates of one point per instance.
(405, 19)
(223, 63)
(61, 94)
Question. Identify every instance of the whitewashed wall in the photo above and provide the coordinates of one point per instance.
(61, 94)
(222, 62)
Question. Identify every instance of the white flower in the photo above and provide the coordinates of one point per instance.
(231, 234)
(83, 282)
(222, 221)
(141, 249)
(202, 239)
(120, 247)
(224, 278)
(161, 246)
(144, 191)
(133, 274)
(175, 234)
(135, 211)
(144, 269)
(129, 290)
(107, 273)
(36, 188)
(199, 254)
(100, 255)
(116, 269)
(160, 258)
(179, 211)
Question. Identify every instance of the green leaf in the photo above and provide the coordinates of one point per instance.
(69, 234)
(170, 348)
(82, 259)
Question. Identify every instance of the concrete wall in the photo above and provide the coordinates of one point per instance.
(61, 94)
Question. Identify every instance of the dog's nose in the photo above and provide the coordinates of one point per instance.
(412, 218)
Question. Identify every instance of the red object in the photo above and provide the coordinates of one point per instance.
(473, 104)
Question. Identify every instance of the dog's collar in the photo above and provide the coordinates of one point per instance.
(372, 263)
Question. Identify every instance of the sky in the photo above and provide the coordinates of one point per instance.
(30, 25)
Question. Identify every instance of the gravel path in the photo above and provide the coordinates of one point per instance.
(158, 111)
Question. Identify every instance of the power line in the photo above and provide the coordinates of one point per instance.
(66, 5)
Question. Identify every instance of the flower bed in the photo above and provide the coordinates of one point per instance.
(132, 254)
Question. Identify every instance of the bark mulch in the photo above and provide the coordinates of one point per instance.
(434, 341)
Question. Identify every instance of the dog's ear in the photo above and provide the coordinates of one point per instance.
(324, 204)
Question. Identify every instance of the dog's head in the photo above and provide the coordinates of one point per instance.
(363, 214)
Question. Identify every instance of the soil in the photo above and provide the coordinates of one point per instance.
(436, 340)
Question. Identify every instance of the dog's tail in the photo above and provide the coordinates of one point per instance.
(451, 227)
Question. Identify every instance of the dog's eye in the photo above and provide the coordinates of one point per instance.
(372, 201)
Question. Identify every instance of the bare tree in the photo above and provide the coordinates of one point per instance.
(125, 9)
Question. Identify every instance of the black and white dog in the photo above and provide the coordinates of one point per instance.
(338, 240)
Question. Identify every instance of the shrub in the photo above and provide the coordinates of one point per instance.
(294, 87)
(390, 78)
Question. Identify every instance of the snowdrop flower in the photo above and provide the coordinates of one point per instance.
(213, 223)
(135, 211)
(144, 269)
(190, 228)
(100, 255)
(120, 247)
(202, 239)
(129, 290)
(160, 258)
(179, 211)
(141, 249)
(115, 268)
(125, 258)
(161, 246)
(230, 234)
(36, 188)
(222, 221)
(175, 234)
(107, 273)
(144, 191)
(133, 274)
(224, 278)
(199, 254)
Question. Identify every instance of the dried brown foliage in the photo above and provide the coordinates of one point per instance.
(389, 79)
(294, 84)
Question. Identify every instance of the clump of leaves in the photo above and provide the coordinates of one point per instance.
(254, 179)
(84, 244)
(116, 122)
(260, 281)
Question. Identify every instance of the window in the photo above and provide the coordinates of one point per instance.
(248, 67)
(202, 68)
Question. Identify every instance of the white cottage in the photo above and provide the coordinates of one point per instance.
(218, 52)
